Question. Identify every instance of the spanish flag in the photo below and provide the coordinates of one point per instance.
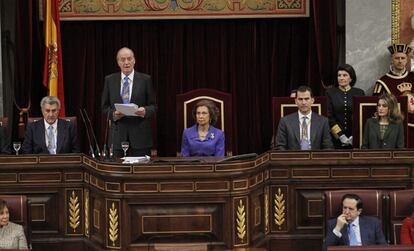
(53, 71)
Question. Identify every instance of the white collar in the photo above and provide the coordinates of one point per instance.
(355, 222)
(130, 76)
(309, 115)
(54, 125)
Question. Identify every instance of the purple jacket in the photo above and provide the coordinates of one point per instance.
(213, 145)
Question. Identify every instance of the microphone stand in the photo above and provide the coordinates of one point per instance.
(91, 151)
(105, 154)
(98, 151)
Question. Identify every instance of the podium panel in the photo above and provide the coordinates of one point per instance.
(274, 200)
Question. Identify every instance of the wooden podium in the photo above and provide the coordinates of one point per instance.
(273, 201)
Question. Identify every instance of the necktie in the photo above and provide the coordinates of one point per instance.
(304, 142)
(51, 140)
(352, 236)
(125, 91)
(305, 129)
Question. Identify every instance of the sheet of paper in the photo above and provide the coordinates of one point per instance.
(127, 109)
(132, 160)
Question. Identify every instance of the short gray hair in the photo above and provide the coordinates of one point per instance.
(50, 100)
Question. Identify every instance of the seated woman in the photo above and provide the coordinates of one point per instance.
(407, 228)
(11, 234)
(203, 139)
(386, 129)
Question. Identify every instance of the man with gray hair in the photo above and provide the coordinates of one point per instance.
(129, 87)
(50, 135)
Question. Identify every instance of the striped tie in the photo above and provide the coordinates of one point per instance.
(125, 91)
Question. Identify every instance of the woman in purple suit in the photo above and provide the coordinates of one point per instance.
(203, 139)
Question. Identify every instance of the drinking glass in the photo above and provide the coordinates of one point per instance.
(111, 151)
(16, 146)
(125, 146)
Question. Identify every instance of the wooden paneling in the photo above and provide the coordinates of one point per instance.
(273, 201)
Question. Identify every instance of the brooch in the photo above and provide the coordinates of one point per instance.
(212, 136)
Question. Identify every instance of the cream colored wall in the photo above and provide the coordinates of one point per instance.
(368, 34)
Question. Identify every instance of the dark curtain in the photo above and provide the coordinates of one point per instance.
(22, 63)
(253, 59)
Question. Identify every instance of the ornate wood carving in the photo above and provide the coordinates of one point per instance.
(74, 211)
(113, 214)
(241, 221)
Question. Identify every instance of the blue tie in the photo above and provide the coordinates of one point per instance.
(125, 91)
(352, 236)
(51, 140)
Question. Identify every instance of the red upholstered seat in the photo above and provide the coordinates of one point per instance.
(400, 207)
(372, 203)
(185, 103)
(70, 119)
(4, 121)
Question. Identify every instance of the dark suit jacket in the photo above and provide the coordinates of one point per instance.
(136, 130)
(288, 133)
(370, 228)
(34, 139)
(393, 137)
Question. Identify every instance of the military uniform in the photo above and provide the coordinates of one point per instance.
(340, 111)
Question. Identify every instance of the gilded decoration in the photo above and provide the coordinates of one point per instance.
(280, 209)
(241, 220)
(113, 224)
(74, 211)
(170, 9)
(395, 21)
(86, 194)
(266, 210)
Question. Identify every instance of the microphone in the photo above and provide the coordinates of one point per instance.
(107, 122)
(92, 152)
(93, 132)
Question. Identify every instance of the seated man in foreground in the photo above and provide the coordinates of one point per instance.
(50, 134)
(352, 229)
(304, 130)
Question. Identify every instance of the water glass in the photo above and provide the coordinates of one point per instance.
(16, 146)
(125, 146)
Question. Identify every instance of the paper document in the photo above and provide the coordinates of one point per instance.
(127, 109)
(132, 160)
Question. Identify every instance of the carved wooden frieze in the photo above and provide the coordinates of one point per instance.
(279, 209)
(241, 221)
(113, 224)
(74, 211)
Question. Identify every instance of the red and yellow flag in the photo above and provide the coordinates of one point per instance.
(53, 70)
